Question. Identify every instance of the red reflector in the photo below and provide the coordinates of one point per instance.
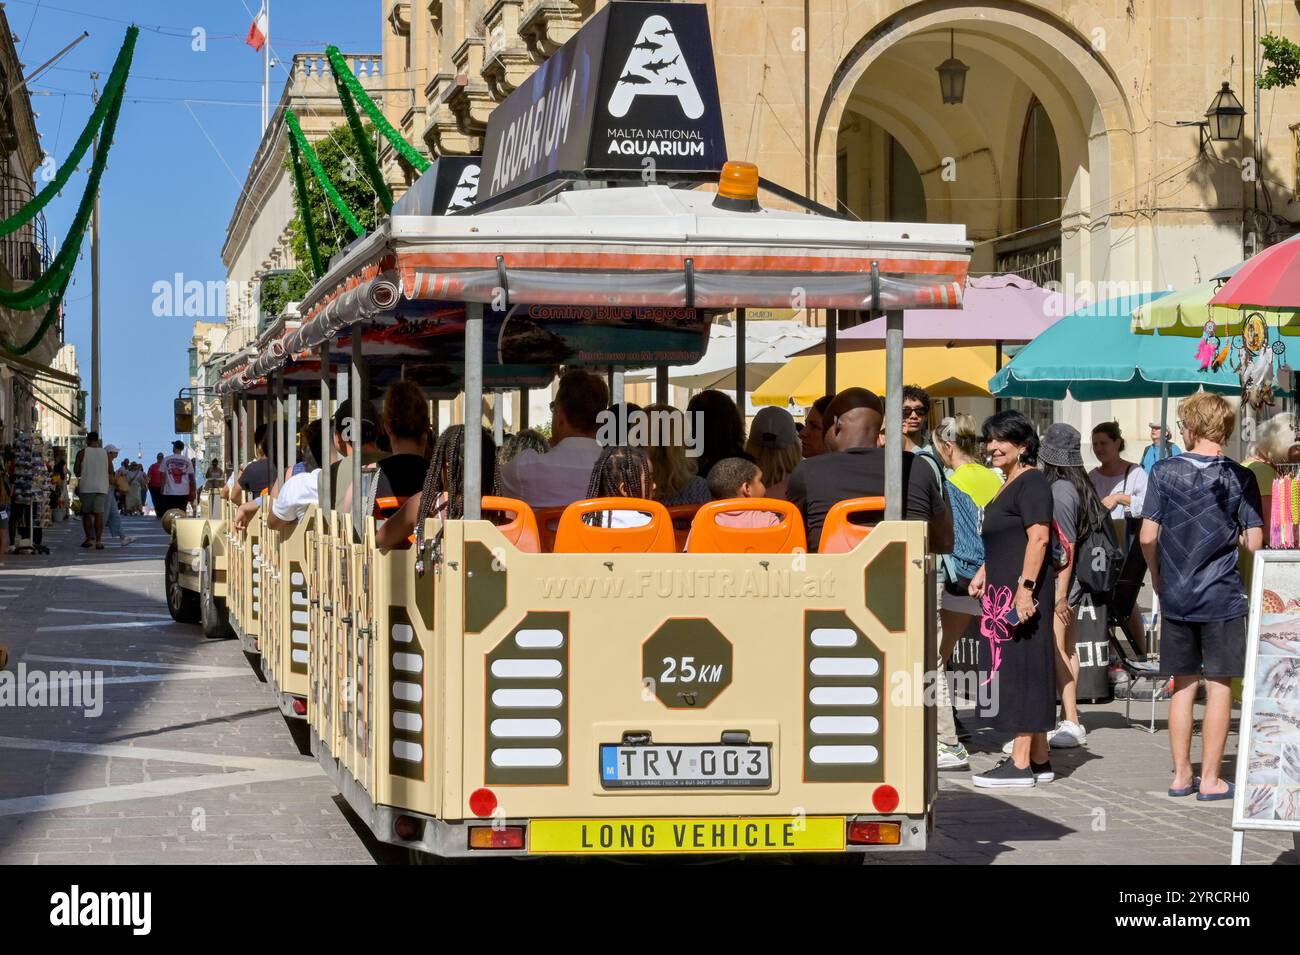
(885, 798)
(874, 834)
(300, 706)
(482, 802)
(406, 828)
(485, 837)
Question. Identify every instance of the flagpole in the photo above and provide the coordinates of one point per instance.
(266, 69)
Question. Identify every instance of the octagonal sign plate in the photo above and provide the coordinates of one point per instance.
(687, 662)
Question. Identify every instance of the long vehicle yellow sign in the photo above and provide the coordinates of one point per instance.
(693, 835)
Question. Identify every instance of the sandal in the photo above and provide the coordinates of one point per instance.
(1187, 790)
(88, 543)
(1217, 797)
(99, 545)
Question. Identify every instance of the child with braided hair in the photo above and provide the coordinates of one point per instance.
(620, 472)
(444, 489)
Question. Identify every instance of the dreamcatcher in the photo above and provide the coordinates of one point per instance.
(1259, 365)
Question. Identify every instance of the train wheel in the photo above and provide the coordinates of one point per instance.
(213, 615)
(182, 604)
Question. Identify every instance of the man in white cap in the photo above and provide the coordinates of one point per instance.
(113, 521)
(1152, 454)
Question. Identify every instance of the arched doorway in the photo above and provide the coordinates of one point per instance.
(1028, 161)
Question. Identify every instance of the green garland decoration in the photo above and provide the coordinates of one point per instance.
(38, 202)
(321, 175)
(363, 144)
(59, 273)
(51, 313)
(373, 112)
(304, 209)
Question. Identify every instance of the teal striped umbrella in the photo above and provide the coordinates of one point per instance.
(1093, 355)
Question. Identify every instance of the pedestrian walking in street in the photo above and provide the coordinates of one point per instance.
(1017, 591)
(1154, 452)
(1077, 514)
(1199, 505)
(93, 469)
(970, 487)
(156, 485)
(178, 487)
(113, 519)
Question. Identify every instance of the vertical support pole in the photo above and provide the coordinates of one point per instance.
(241, 455)
(435, 416)
(473, 410)
(893, 404)
(741, 356)
(1164, 421)
(326, 429)
(277, 465)
(499, 418)
(832, 329)
(523, 409)
(291, 430)
(661, 384)
(616, 386)
(358, 396)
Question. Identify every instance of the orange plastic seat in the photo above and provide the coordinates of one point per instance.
(710, 537)
(548, 522)
(839, 534)
(574, 536)
(521, 531)
(682, 515)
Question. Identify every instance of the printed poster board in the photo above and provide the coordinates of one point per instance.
(1268, 761)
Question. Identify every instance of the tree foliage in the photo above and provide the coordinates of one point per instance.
(278, 289)
(341, 161)
(1283, 59)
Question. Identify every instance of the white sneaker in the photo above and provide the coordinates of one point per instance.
(1068, 735)
(127, 540)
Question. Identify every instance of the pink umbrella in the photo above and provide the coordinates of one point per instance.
(996, 310)
(1269, 280)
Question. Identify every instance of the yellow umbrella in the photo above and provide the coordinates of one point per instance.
(962, 372)
(1185, 314)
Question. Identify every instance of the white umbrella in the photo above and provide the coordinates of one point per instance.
(768, 345)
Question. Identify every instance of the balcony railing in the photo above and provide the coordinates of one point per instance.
(1034, 254)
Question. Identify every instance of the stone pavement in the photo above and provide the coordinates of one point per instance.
(191, 761)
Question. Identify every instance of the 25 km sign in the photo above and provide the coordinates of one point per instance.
(687, 662)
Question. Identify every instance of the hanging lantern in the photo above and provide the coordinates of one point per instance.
(952, 75)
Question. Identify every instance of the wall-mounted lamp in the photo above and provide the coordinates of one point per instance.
(1223, 120)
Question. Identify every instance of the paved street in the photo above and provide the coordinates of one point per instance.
(190, 761)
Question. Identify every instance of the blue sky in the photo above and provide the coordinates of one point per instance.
(188, 130)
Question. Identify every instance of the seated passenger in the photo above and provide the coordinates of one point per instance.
(560, 477)
(443, 494)
(737, 477)
(620, 472)
(716, 415)
(677, 482)
(527, 440)
(775, 447)
(406, 422)
(855, 467)
(346, 431)
(255, 477)
(295, 492)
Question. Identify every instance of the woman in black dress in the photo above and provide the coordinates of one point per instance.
(1016, 592)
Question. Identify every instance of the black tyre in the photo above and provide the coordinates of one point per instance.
(213, 616)
(182, 604)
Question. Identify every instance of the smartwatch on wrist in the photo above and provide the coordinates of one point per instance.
(1027, 583)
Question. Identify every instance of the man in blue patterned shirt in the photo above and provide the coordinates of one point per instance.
(1200, 507)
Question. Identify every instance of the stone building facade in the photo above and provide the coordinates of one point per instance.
(1068, 159)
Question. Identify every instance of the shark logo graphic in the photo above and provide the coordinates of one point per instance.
(466, 190)
(655, 67)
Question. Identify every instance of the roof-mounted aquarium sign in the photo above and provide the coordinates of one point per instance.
(449, 185)
(633, 94)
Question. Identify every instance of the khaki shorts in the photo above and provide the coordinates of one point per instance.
(94, 503)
